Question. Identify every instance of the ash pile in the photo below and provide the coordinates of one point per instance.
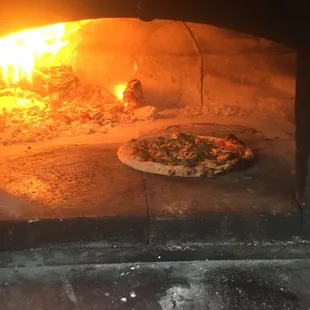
(55, 104)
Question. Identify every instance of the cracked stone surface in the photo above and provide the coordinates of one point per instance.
(179, 285)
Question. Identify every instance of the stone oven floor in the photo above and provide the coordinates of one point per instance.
(83, 177)
(235, 285)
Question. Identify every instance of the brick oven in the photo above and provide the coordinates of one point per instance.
(65, 72)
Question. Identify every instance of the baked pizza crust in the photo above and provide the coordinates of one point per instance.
(125, 155)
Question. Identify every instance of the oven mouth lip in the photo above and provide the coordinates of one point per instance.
(146, 231)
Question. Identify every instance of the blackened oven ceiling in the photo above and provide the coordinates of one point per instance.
(283, 22)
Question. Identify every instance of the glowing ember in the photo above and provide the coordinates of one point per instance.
(119, 92)
(20, 52)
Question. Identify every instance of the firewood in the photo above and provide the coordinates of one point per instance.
(133, 94)
(55, 103)
(54, 79)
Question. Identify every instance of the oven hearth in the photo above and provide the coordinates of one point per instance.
(86, 179)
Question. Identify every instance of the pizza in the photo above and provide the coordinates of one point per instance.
(186, 155)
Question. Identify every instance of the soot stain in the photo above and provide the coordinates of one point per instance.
(240, 289)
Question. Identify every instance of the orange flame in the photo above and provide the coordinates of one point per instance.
(20, 52)
(120, 88)
(119, 91)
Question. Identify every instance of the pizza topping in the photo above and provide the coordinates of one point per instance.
(186, 155)
(189, 150)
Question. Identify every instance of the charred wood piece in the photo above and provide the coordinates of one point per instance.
(133, 94)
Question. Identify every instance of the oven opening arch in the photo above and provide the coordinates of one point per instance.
(290, 116)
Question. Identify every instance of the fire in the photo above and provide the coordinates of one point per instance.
(120, 88)
(119, 92)
(20, 52)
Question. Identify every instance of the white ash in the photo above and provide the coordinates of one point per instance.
(145, 113)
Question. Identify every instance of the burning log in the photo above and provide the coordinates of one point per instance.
(53, 102)
(46, 81)
(133, 94)
(18, 92)
(54, 79)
